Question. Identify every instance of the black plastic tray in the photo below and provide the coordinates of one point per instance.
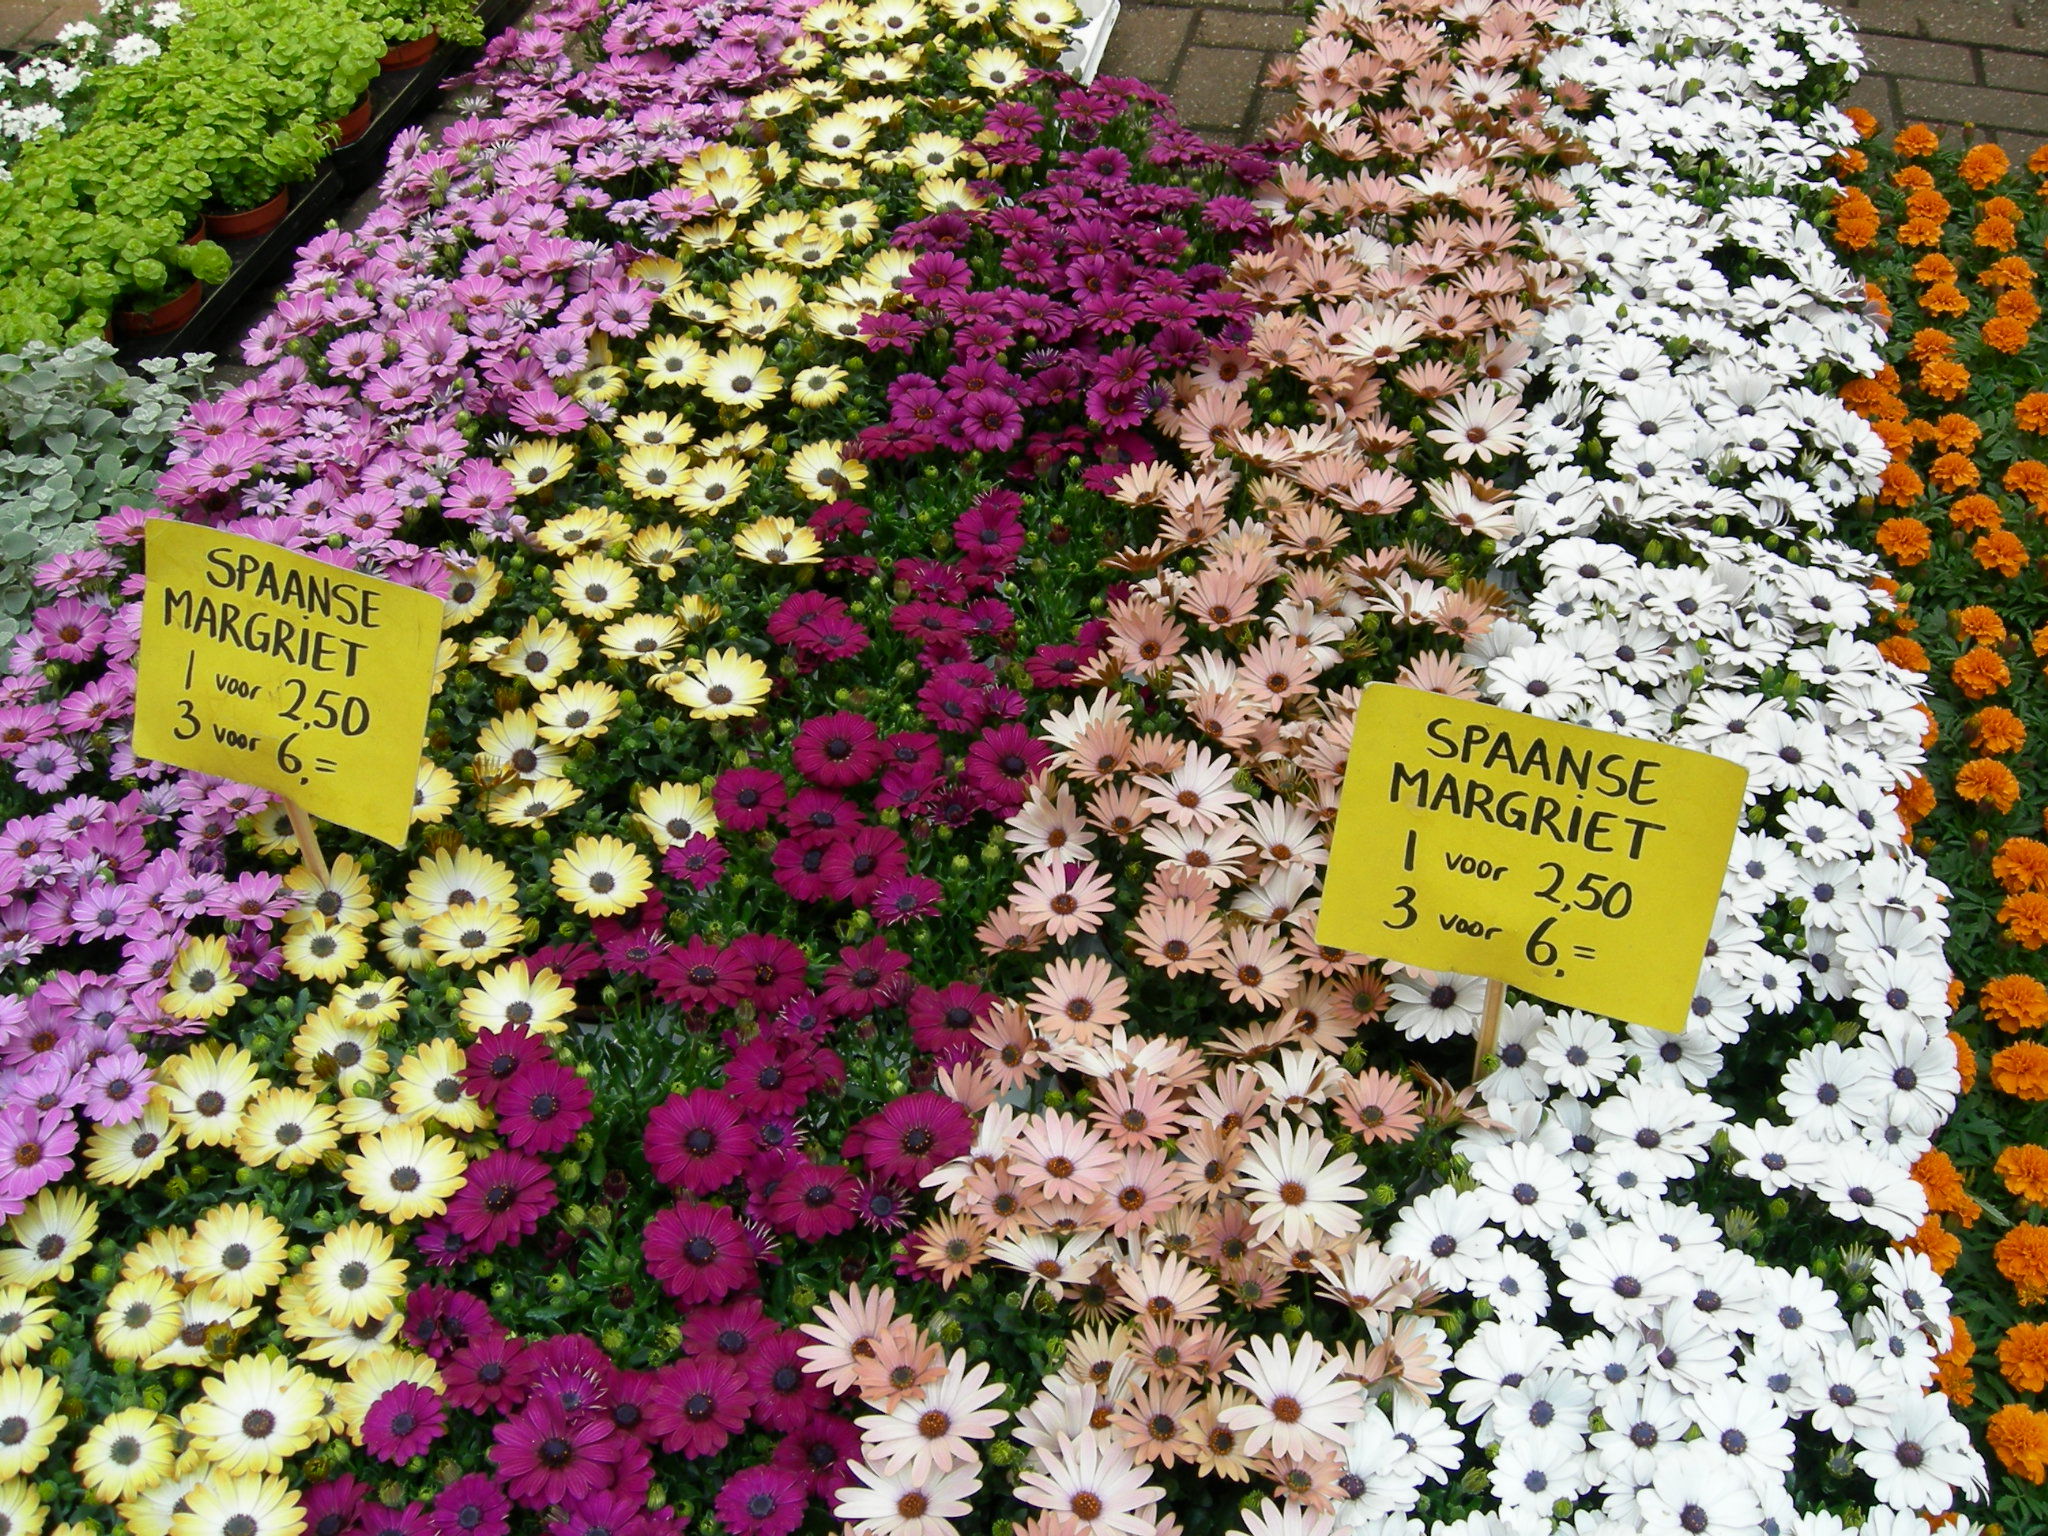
(395, 100)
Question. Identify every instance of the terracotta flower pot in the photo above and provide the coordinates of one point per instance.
(410, 55)
(356, 124)
(249, 222)
(163, 319)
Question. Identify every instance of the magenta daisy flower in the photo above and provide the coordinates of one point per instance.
(698, 1253)
(733, 1329)
(442, 1321)
(910, 1137)
(856, 866)
(546, 1456)
(471, 1506)
(812, 1201)
(775, 969)
(785, 1396)
(868, 977)
(543, 1107)
(905, 899)
(503, 1197)
(699, 863)
(403, 1422)
(699, 975)
(883, 1205)
(698, 1404)
(941, 1019)
(490, 1375)
(762, 1501)
(747, 799)
(820, 1452)
(772, 1075)
(696, 1142)
(838, 750)
(496, 1056)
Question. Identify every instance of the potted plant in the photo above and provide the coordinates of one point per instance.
(414, 28)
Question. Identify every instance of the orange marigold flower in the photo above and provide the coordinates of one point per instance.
(2041, 641)
(1850, 162)
(2017, 305)
(1898, 486)
(2029, 478)
(2023, 1356)
(1932, 733)
(1929, 343)
(1985, 781)
(2025, 917)
(2021, 864)
(1978, 623)
(2006, 272)
(1905, 539)
(1867, 397)
(1922, 431)
(1953, 472)
(1944, 299)
(1863, 121)
(2037, 162)
(1913, 142)
(1997, 731)
(2025, 1171)
(2000, 208)
(1858, 232)
(2014, 1003)
(2019, 1435)
(2000, 550)
(2004, 334)
(1966, 1062)
(1920, 232)
(1975, 513)
(1956, 433)
(1940, 1246)
(1937, 1175)
(1995, 233)
(1982, 165)
(2022, 1257)
(2030, 413)
(1888, 378)
(1934, 268)
(1980, 672)
(1915, 799)
(1912, 176)
(1926, 203)
(1943, 378)
(1903, 651)
(1953, 1377)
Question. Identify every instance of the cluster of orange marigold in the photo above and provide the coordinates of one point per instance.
(1933, 458)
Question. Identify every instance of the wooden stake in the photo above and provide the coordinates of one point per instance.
(1489, 1021)
(309, 845)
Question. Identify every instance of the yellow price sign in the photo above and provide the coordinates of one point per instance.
(277, 670)
(1578, 865)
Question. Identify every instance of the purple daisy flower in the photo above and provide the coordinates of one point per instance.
(403, 1422)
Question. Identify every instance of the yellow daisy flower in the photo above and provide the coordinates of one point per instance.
(673, 360)
(206, 1332)
(718, 483)
(721, 685)
(769, 105)
(657, 474)
(403, 1173)
(272, 831)
(329, 1049)
(539, 654)
(771, 296)
(401, 940)
(435, 793)
(49, 1233)
(694, 611)
(429, 1086)
(353, 1273)
(326, 1342)
(255, 1504)
(288, 1128)
(653, 429)
(206, 1088)
(597, 586)
(778, 541)
(688, 303)
(968, 11)
(253, 1415)
(876, 69)
(467, 935)
(996, 70)
(513, 745)
(820, 471)
(801, 55)
(22, 1512)
(161, 1251)
(453, 877)
(538, 463)
(510, 995)
(829, 175)
(320, 952)
(742, 377)
(602, 876)
(660, 548)
(818, 386)
(583, 528)
(374, 1000)
(856, 221)
(528, 805)
(651, 638)
(841, 135)
(235, 1250)
(601, 385)
(367, 1114)
(675, 813)
(948, 194)
(897, 18)
(122, 1156)
(837, 320)
(578, 712)
(344, 897)
(150, 1512)
(128, 1451)
(470, 591)
(24, 1323)
(139, 1317)
(741, 442)
(28, 1411)
(201, 983)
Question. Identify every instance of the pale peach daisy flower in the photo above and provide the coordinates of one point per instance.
(1064, 898)
(903, 1364)
(1166, 1287)
(1119, 810)
(885, 1504)
(1077, 1000)
(1178, 936)
(1254, 968)
(1135, 1111)
(1298, 1185)
(1062, 1156)
(938, 1431)
(1300, 1404)
(1148, 1422)
(1143, 1186)
(1093, 1482)
(1197, 793)
(848, 1326)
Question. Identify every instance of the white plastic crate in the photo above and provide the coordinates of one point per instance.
(1091, 38)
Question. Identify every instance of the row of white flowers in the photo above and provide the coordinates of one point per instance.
(48, 91)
